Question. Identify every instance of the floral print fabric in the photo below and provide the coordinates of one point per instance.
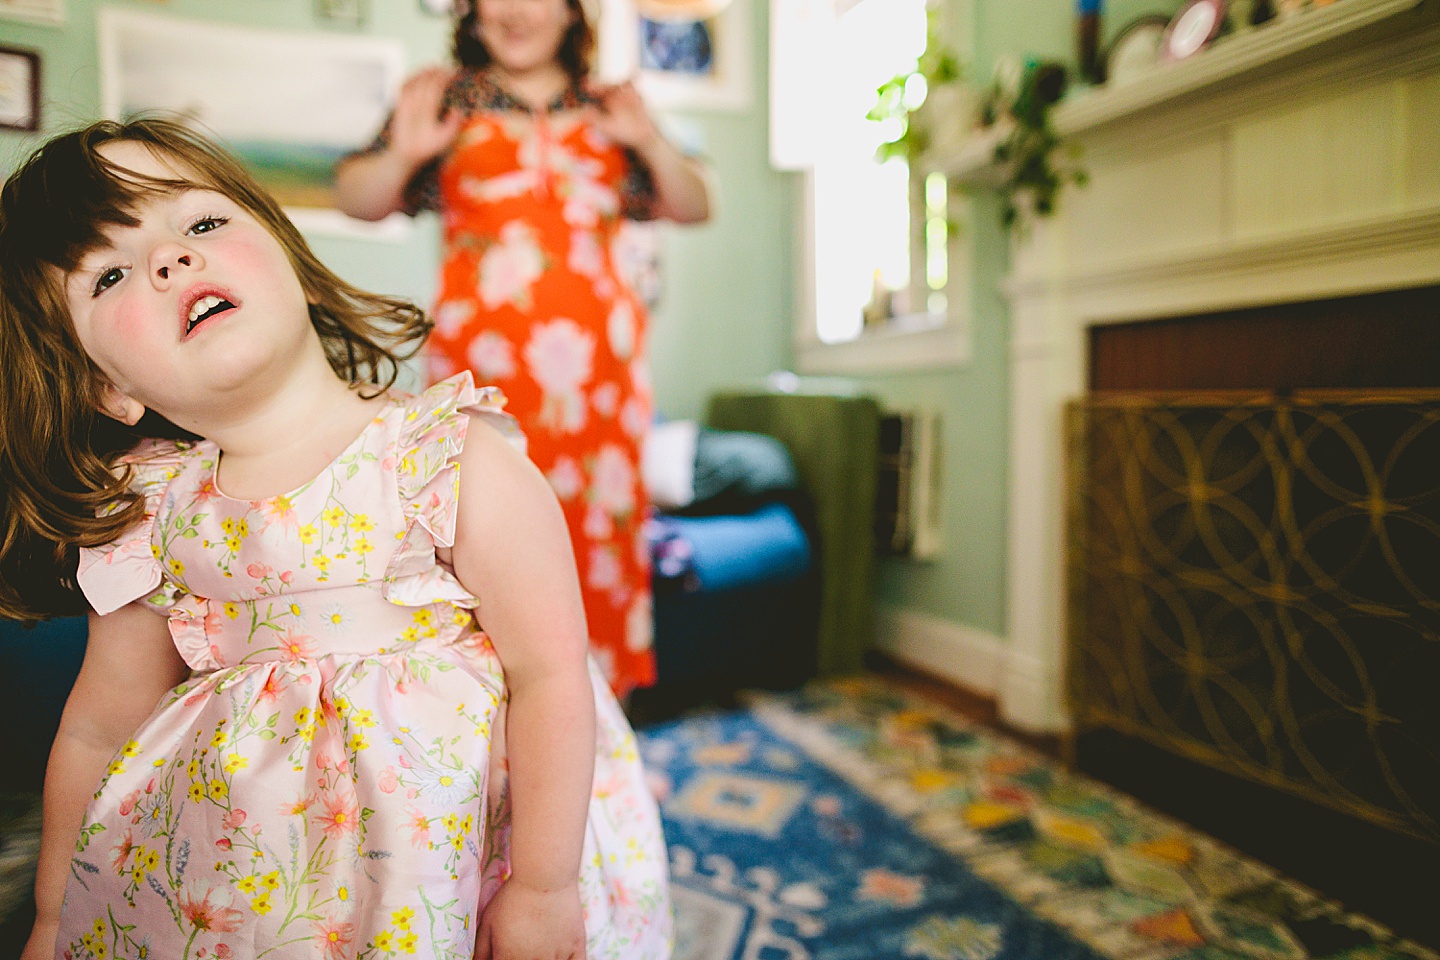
(533, 301)
(331, 781)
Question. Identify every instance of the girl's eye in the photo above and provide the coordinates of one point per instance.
(108, 279)
(207, 224)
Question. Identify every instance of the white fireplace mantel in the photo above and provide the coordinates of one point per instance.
(1282, 166)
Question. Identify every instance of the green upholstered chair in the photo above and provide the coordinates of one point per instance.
(834, 442)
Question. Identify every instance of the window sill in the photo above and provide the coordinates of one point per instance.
(888, 351)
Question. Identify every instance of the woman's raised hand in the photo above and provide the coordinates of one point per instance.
(421, 127)
(622, 116)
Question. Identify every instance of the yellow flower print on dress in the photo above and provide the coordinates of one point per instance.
(266, 789)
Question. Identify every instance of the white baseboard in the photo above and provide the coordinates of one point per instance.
(981, 662)
(966, 656)
(1029, 696)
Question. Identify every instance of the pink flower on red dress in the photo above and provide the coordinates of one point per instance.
(510, 267)
(492, 356)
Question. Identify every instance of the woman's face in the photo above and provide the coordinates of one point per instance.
(523, 35)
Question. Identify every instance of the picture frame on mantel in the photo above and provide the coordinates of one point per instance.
(19, 89)
(51, 12)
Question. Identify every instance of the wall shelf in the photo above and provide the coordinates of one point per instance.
(972, 162)
(1319, 33)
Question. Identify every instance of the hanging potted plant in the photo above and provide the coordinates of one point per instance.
(918, 101)
(1036, 164)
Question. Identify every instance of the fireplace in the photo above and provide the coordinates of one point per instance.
(1255, 584)
(1278, 194)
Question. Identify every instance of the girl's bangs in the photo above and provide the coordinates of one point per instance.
(68, 223)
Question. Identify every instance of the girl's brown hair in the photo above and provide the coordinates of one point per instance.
(574, 54)
(60, 485)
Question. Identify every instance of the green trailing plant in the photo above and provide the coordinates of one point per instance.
(899, 97)
(1031, 151)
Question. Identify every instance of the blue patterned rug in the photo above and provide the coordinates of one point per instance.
(852, 821)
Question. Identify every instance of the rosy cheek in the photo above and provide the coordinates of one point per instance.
(126, 321)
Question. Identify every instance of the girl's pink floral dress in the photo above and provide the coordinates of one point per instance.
(331, 780)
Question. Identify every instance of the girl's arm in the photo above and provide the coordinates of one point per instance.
(682, 186)
(512, 551)
(371, 186)
(130, 663)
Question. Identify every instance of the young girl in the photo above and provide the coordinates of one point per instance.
(336, 697)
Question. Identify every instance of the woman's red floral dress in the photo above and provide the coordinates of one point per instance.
(533, 301)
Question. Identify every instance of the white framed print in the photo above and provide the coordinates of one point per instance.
(19, 89)
(288, 104)
(693, 55)
(35, 11)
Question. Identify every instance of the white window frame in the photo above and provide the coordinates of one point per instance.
(907, 343)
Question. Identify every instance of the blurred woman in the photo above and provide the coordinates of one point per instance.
(532, 168)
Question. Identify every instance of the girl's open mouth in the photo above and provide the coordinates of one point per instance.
(205, 308)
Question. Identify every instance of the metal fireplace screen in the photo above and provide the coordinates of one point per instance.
(1255, 584)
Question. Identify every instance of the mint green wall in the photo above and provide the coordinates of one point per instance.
(728, 285)
(71, 96)
(727, 315)
(966, 585)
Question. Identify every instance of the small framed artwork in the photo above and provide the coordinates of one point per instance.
(36, 11)
(686, 54)
(19, 89)
(1192, 28)
(438, 8)
(342, 13)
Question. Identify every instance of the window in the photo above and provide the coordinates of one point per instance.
(877, 234)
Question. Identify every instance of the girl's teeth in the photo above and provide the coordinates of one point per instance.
(199, 307)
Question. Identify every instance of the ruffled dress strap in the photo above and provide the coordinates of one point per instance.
(128, 568)
(427, 465)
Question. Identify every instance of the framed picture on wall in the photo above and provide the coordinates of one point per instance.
(289, 104)
(686, 54)
(342, 13)
(37, 11)
(19, 89)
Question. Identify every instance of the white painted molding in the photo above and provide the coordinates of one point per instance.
(1288, 44)
(941, 347)
(966, 656)
(1029, 698)
(1242, 273)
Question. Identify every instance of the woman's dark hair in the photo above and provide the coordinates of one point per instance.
(61, 484)
(574, 54)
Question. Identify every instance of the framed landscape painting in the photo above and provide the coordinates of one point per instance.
(289, 104)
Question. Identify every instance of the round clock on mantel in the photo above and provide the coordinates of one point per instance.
(1195, 25)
